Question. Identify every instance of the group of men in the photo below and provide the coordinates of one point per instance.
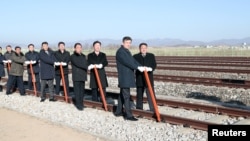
(46, 67)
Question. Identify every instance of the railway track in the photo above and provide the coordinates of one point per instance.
(166, 118)
(200, 63)
(219, 82)
(197, 59)
(231, 83)
(199, 69)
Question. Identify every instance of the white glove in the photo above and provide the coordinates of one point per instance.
(57, 63)
(33, 62)
(141, 69)
(5, 61)
(91, 66)
(63, 63)
(149, 69)
(99, 66)
(9, 61)
(27, 62)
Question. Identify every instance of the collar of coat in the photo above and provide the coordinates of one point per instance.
(93, 53)
(61, 52)
(49, 50)
(78, 54)
(21, 54)
(9, 52)
(32, 51)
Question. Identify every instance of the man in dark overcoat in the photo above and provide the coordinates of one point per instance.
(146, 59)
(126, 65)
(47, 60)
(99, 59)
(2, 71)
(79, 75)
(62, 56)
(33, 56)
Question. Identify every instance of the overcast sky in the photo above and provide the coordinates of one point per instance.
(34, 21)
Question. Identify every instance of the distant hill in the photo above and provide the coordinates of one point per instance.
(173, 42)
(151, 42)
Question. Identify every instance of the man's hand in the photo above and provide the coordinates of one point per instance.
(99, 66)
(27, 62)
(91, 66)
(5, 61)
(149, 69)
(57, 63)
(63, 63)
(141, 69)
(32, 62)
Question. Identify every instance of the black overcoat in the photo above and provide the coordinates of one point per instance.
(33, 56)
(126, 65)
(79, 67)
(2, 71)
(62, 57)
(47, 64)
(98, 59)
(148, 61)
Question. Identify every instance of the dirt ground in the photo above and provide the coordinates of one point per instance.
(15, 126)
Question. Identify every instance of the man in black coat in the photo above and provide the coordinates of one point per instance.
(33, 56)
(79, 74)
(8, 53)
(147, 60)
(99, 59)
(47, 60)
(62, 56)
(2, 71)
(126, 65)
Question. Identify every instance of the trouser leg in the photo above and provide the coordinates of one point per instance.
(79, 90)
(9, 84)
(20, 84)
(139, 97)
(43, 85)
(82, 92)
(66, 77)
(120, 103)
(51, 88)
(14, 84)
(150, 103)
(126, 98)
(104, 92)
(58, 82)
(29, 81)
(38, 84)
(1, 87)
(94, 92)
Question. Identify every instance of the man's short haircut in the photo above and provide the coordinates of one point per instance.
(17, 47)
(1, 47)
(30, 45)
(77, 44)
(45, 43)
(8, 46)
(141, 44)
(97, 42)
(126, 38)
(61, 43)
